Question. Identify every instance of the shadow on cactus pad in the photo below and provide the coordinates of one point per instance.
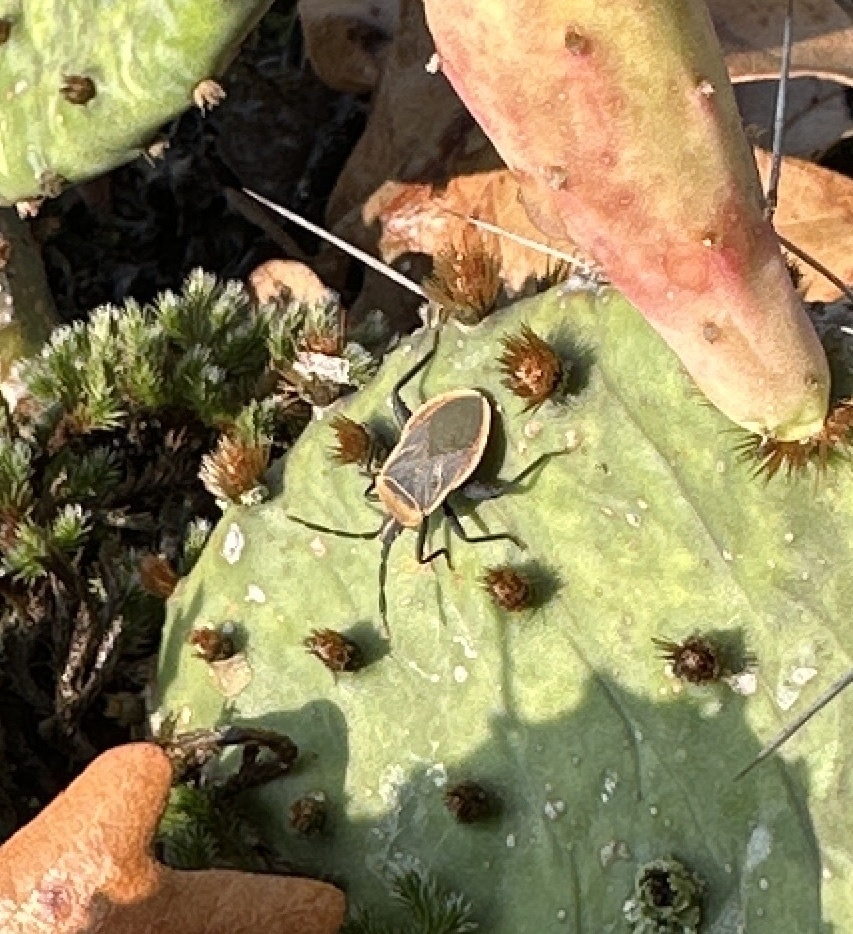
(563, 712)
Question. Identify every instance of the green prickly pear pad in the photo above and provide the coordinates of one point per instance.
(85, 84)
(565, 713)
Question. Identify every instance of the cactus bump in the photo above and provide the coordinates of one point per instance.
(625, 137)
(592, 779)
(87, 85)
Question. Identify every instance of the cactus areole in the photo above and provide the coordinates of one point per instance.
(620, 123)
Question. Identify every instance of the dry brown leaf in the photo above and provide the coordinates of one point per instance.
(85, 866)
(346, 40)
(816, 214)
(750, 33)
(287, 280)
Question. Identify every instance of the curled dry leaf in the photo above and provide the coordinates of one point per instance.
(346, 40)
(287, 280)
(750, 35)
(86, 865)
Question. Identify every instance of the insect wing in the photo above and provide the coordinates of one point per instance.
(441, 446)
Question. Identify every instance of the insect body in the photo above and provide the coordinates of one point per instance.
(441, 445)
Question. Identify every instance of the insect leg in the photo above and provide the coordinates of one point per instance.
(341, 533)
(459, 529)
(428, 559)
(390, 532)
(401, 411)
(479, 491)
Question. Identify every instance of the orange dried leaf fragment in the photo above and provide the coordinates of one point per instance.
(86, 864)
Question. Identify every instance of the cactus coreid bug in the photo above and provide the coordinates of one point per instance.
(441, 445)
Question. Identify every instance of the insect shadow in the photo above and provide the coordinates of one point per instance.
(439, 448)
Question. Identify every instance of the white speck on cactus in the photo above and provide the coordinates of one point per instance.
(254, 594)
(711, 709)
(611, 780)
(232, 547)
(744, 683)
(758, 847)
(231, 675)
(318, 546)
(802, 676)
(438, 774)
(467, 647)
(553, 810)
(433, 678)
(460, 674)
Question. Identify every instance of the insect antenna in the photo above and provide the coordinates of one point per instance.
(784, 735)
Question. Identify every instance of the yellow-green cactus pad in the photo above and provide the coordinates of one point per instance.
(84, 84)
(602, 762)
